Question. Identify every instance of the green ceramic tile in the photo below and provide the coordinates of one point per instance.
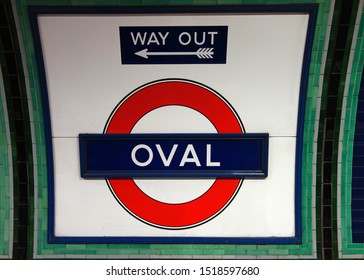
(204, 2)
(179, 252)
(194, 252)
(61, 2)
(155, 2)
(131, 2)
(213, 252)
(255, 2)
(171, 246)
(149, 252)
(180, 2)
(278, 252)
(139, 246)
(236, 252)
(107, 2)
(229, 2)
(279, 1)
(96, 247)
(257, 252)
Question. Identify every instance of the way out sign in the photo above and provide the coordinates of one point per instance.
(173, 44)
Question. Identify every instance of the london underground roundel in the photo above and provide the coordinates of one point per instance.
(193, 95)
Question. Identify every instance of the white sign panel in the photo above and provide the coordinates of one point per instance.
(122, 72)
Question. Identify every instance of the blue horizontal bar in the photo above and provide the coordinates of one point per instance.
(176, 240)
(174, 155)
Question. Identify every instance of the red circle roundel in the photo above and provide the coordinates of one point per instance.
(165, 93)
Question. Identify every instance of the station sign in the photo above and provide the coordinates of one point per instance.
(174, 124)
(174, 156)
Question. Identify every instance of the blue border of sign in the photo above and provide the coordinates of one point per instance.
(310, 9)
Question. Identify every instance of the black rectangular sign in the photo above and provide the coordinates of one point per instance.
(173, 44)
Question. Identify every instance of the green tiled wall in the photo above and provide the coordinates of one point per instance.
(305, 250)
(349, 249)
(5, 179)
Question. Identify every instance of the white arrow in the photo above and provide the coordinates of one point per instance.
(204, 53)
